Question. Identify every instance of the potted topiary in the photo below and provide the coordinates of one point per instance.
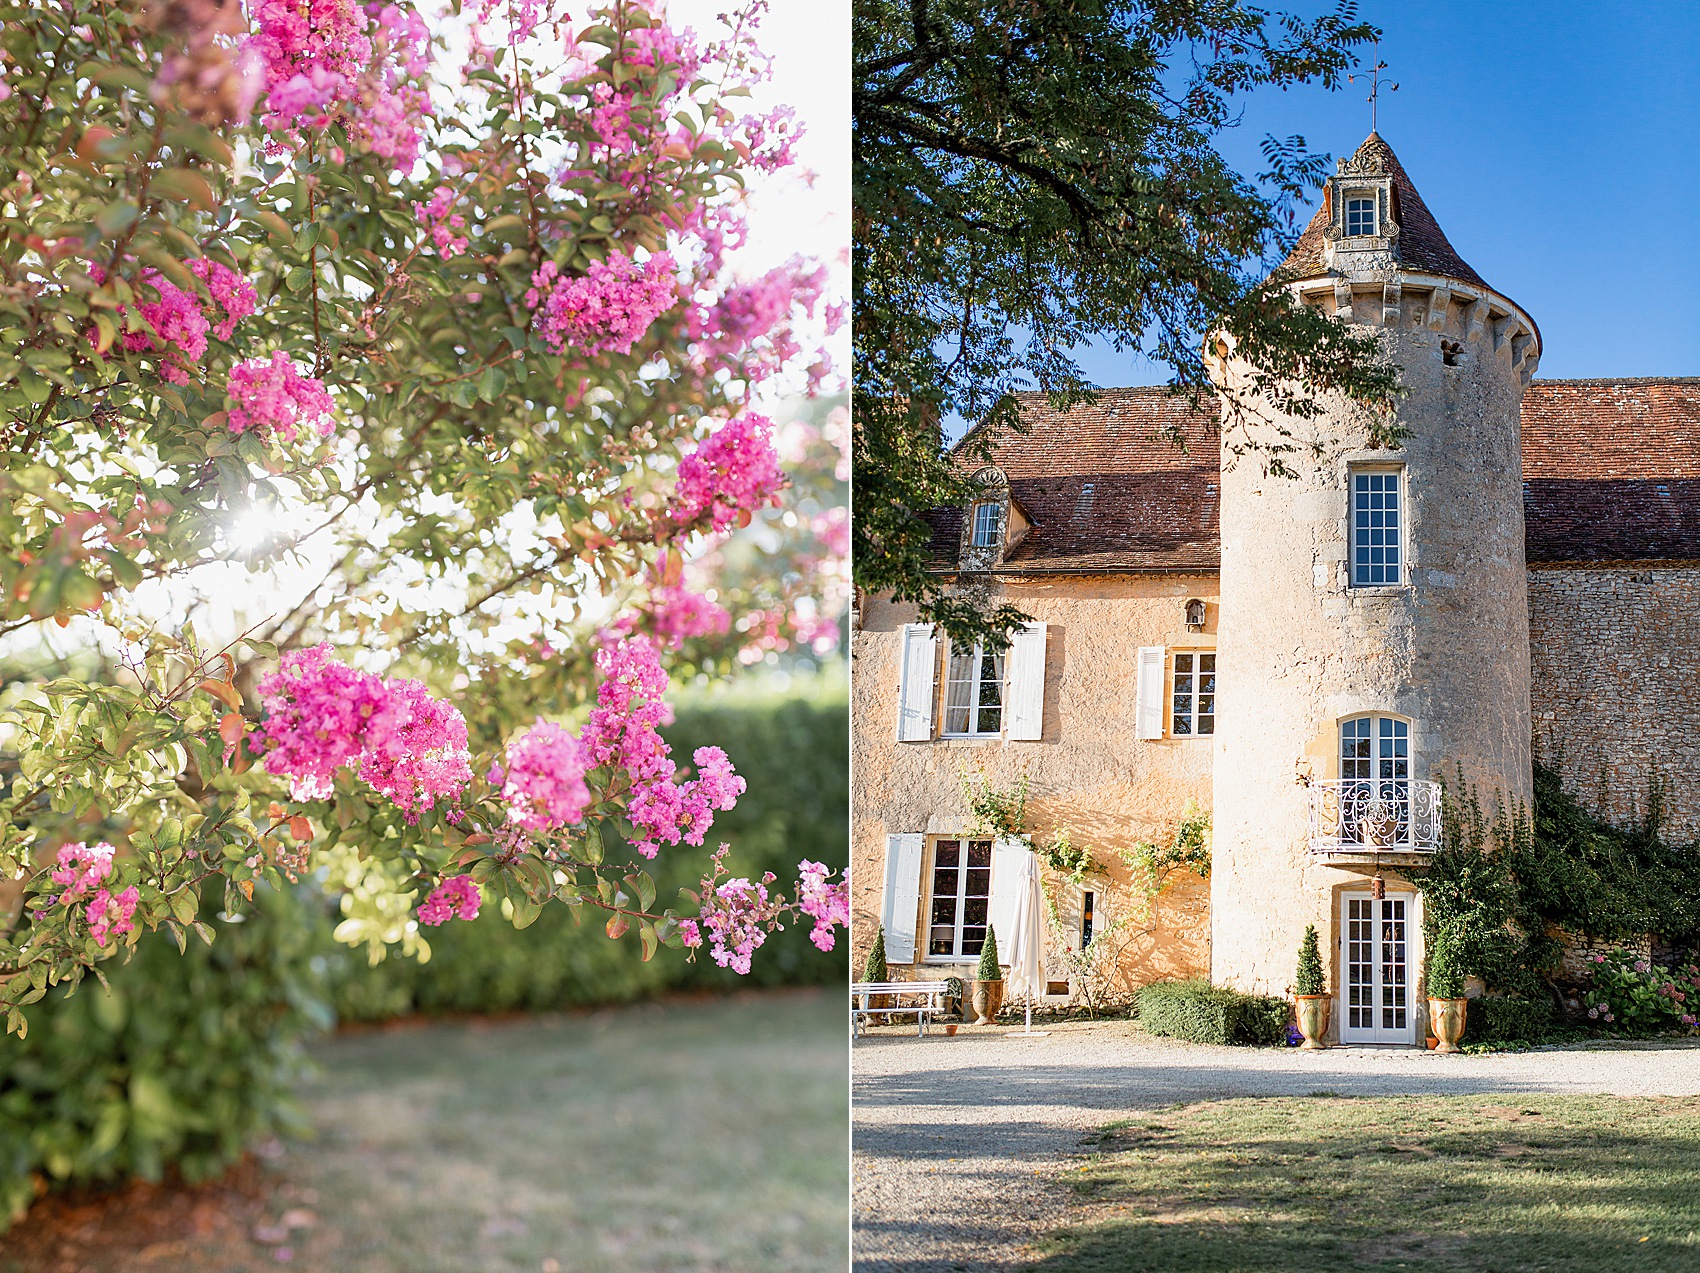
(1310, 989)
(874, 970)
(988, 981)
(1446, 1002)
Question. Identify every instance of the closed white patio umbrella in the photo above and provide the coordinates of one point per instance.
(1027, 947)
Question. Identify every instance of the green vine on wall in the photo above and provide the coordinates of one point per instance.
(1500, 885)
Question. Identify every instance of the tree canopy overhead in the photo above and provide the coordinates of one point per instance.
(1030, 175)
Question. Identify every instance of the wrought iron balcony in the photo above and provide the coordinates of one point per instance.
(1374, 815)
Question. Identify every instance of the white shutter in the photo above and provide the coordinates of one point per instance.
(1149, 712)
(917, 663)
(1026, 712)
(902, 896)
(1006, 878)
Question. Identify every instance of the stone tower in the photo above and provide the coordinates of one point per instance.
(1374, 628)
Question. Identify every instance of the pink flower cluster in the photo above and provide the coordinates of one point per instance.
(677, 614)
(455, 896)
(322, 715)
(735, 469)
(738, 914)
(543, 781)
(442, 223)
(827, 904)
(231, 292)
(624, 732)
(752, 321)
(338, 59)
(82, 869)
(111, 915)
(609, 308)
(274, 399)
(175, 323)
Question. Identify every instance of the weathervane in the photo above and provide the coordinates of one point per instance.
(1375, 83)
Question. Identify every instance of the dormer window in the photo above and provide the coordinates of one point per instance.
(985, 526)
(1360, 216)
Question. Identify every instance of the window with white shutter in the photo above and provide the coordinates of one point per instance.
(917, 665)
(901, 901)
(1026, 708)
(1148, 712)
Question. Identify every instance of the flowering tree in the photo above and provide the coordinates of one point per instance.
(444, 360)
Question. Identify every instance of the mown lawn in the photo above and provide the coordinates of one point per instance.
(696, 1135)
(1497, 1184)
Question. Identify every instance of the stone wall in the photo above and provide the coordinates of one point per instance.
(1616, 687)
(1088, 772)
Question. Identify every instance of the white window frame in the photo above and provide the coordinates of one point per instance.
(960, 898)
(985, 528)
(1356, 205)
(1388, 761)
(975, 686)
(1400, 538)
(1196, 655)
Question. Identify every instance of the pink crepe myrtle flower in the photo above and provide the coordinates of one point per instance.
(415, 748)
(608, 308)
(543, 779)
(441, 223)
(456, 896)
(231, 292)
(677, 614)
(174, 326)
(322, 715)
(734, 469)
(110, 915)
(81, 869)
(827, 904)
(272, 398)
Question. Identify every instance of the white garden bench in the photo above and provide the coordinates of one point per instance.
(927, 993)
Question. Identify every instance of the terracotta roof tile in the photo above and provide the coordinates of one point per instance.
(1611, 470)
(1611, 473)
(1420, 245)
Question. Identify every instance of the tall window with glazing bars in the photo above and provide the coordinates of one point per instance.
(1377, 528)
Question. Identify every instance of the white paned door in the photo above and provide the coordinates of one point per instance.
(1378, 986)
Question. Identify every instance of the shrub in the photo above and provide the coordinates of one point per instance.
(989, 970)
(1204, 1013)
(1507, 1020)
(186, 1059)
(1639, 995)
(1310, 980)
(1445, 977)
(875, 969)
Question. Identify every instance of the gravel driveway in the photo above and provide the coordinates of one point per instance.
(958, 1141)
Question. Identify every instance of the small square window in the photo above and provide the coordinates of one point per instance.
(973, 705)
(1194, 713)
(985, 525)
(1377, 544)
(1360, 216)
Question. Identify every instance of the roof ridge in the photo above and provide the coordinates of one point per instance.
(1614, 380)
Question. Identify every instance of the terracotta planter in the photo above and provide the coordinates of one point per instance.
(1313, 1020)
(950, 1027)
(1446, 1019)
(988, 998)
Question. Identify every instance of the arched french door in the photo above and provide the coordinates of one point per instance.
(1375, 781)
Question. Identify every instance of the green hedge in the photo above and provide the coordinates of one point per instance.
(1507, 1020)
(793, 752)
(1204, 1013)
(187, 1059)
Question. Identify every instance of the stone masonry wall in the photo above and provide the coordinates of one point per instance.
(1616, 687)
(1088, 772)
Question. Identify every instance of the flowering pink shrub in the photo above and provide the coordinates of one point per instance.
(110, 915)
(455, 896)
(734, 470)
(441, 223)
(274, 399)
(322, 715)
(176, 328)
(677, 614)
(609, 308)
(827, 904)
(1637, 995)
(543, 781)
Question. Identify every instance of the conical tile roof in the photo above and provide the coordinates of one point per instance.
(1420, 244)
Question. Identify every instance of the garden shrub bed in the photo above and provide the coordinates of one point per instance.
(1510, 1020)
(1202, 1013)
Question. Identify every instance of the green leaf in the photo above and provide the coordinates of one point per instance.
(183, 186)
(116, 217)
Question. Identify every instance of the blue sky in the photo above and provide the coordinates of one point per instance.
(1558, 145)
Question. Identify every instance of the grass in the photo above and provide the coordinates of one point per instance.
(698, 1135)
(1470, 1184)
